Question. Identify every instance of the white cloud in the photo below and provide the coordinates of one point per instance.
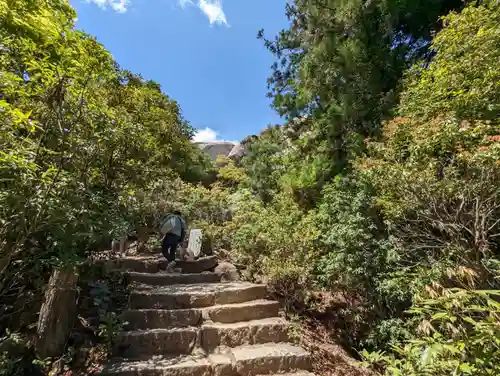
(119, 6)
(205, 135)
(208, 135)
(211, 8)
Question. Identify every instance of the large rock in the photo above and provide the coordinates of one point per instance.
(237, 152)
(227, 272)
(57, 314)
(216, 149)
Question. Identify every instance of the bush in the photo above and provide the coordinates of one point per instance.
(354, 245)
(275, 240)
(458, 334)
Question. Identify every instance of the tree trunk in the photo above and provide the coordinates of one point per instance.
(57, 314)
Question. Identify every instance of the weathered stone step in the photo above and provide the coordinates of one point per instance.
(246, 311)
(155, 263)
(195, 295)
(157, 341)
(161, 318)
(140, 263)
(273, 358)
(244, 333)
(269, 358)
(298, 373)
(159, 366)
(197, 266)
(167, 279)
(226, 313)
(211, 336)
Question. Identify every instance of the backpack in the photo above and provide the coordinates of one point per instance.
(183, 229)
(172, 219)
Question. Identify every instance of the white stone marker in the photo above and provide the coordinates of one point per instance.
(194, 245)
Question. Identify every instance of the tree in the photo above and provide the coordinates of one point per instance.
(340, 62)
(264, 162)
(463, 80)
(81, 141)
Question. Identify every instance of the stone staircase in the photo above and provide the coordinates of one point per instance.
(195, 325)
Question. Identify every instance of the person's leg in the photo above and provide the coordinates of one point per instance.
(169, 246)
(174, 242)
(165, 248)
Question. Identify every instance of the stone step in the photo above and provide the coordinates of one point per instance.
(298, 373)
(156, 262)
(197, 266)
(157, 341)
(273, 358)
(226, 313)
(211, 336)
(160, 366)
(243, 333)
(161, 318)
(139, 263)
(195, 295)
(246, 311)
(269, 358)
(167, 279)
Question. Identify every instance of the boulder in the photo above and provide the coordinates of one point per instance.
(186, 254)
(216, 149)
(237, 152)
(227, 271)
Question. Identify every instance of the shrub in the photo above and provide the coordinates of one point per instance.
(276, 240)
(459, 334)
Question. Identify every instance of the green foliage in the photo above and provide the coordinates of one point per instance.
(354, 243)
(436, 175)
(88, 152)
(261, 240)
(263, 163)
(208, 209)
(75, 133)
(349, 209)
(16, 356)
(111, 325)
(459, 335)
(396, 220)
(340, 64)
(229, 174)
(464, 77)
(104, 294)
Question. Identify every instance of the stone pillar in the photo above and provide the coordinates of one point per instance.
(57, 314)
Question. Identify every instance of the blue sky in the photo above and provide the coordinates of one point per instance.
(204, 53)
